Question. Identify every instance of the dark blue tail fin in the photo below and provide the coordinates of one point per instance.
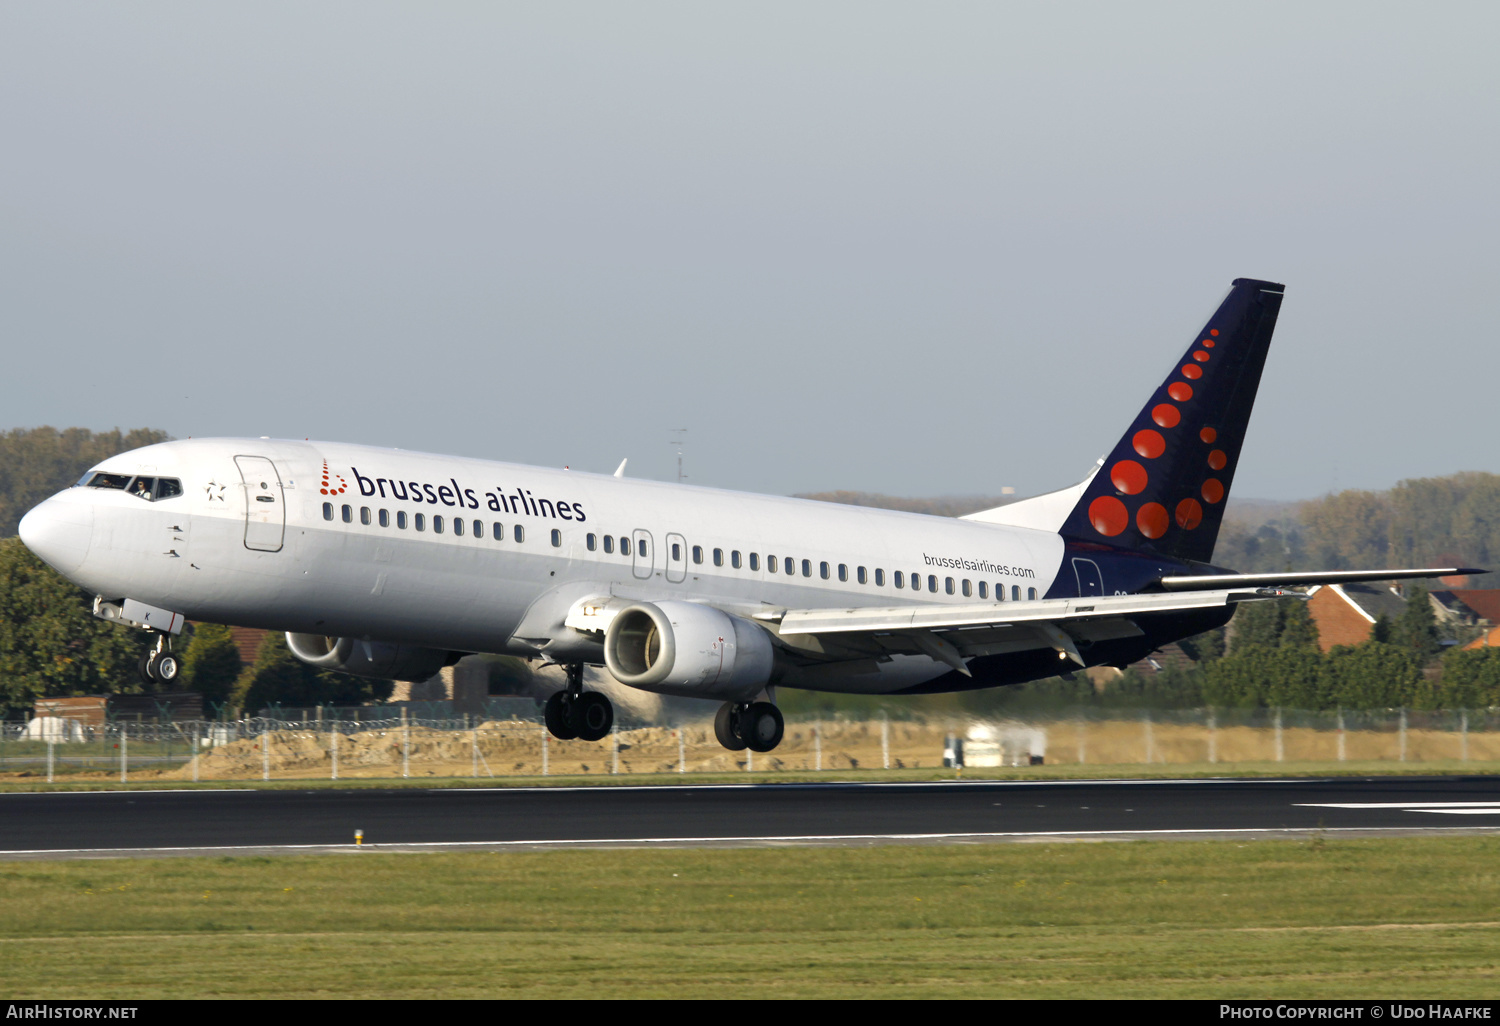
(1162, 488)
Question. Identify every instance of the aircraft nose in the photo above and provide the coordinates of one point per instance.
(59, 533)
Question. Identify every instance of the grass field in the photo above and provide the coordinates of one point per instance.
(1310, 918)
(149, 780)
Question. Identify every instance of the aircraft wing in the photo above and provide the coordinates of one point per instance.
(951, 633)
(1300, 578)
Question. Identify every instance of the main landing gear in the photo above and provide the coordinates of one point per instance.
(576, 713)
(158, 665)
(757, 726)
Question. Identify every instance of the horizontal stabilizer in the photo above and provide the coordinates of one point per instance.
(1211, 582)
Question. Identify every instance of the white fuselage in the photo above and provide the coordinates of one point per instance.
(486, 591)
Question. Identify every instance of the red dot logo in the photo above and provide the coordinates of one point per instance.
(1201, 356)
(1192, 371)
(1129, 477)
(1214, 332)
(1189, 514)
(1213, 491)
(1149, 444)
(1166, 415)
(1151, 520)
(1208, 343)
(1217, 459)
(1108, 515)
(1209, 435)
(1180, 390)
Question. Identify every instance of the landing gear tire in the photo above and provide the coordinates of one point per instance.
(762, 726)
(593, 714)
(726, 727)
(166, 668)
(558, 716)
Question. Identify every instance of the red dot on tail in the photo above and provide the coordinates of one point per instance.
(1213, 490)
(1129, 477)
(1201, 356)
(1149, 444)
(1193, 371)
(1151, 520)
(1108, 515)
(1166, 415)
(1189, 514)
(1180, 390)
(1217, 459)
(1213, 331)
(1208, 435)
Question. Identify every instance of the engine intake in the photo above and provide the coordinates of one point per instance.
(682, 648)
(367, 658)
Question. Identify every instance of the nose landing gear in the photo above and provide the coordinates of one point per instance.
(757, 726)
(575, 713)
(159, 665)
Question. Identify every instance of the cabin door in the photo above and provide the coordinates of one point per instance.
(644, 553)
(265, 505)
(1090, 582)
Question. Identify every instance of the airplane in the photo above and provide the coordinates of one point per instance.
(392, 564)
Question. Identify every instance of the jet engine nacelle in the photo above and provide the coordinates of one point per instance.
(367, 658)
(684, 649)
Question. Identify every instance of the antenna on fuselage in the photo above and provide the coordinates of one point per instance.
(680, 437)
(620, 470)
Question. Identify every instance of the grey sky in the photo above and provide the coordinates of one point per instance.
(919, 249)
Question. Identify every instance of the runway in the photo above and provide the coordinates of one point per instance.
(161, 823)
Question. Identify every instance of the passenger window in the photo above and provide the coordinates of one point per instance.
(771, 563)
(790, 566)
(518, 533)
(1015, 593)
(327, 511)
(609, 543)
(718, 557)
(458, 526)
(676, 552)
(624, 546)
(698, 554)
(556, 538)
(755, 561)
(385, 518)
(479, 528)
(437, 524)
(419, 521)
(401, 519)
(844, 572)
(497, 531)
(932, 583)
(348, 514)
(879, 578)
(592, 541)
(640, 548)
(984, 590)
(968, 588)
(860, 575)
(1031, 594)
(899, 579)
(168, 488)
(734, 559)
(822, 569)
(364, 515)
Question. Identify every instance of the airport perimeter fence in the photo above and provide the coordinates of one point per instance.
(466, 747)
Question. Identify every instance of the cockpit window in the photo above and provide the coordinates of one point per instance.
(148, 488)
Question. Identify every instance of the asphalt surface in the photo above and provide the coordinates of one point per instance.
(146, 823)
